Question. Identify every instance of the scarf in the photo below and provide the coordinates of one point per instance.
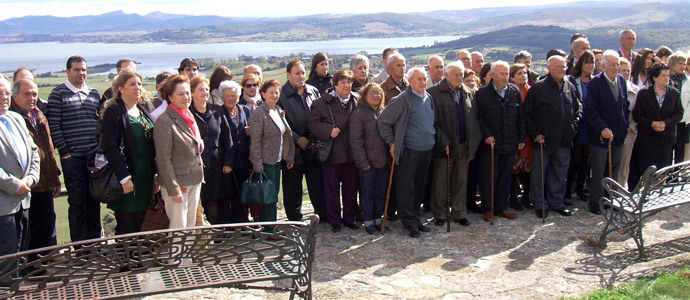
(188, 118)
(680, 78)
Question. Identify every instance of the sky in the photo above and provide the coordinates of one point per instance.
(234, 8)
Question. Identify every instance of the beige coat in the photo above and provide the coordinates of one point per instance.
(265, 137)
(177, 153)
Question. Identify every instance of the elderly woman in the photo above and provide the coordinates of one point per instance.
(359, 64)
(178, 154)
(330, 119)
(643, 60)
(250, 91)
(626, 152)
(239, 117)
(657, 113)
(220, 73)
(126, 141)
(469, 79)
(318, 74)
(271, 143)
(519, 75)
(217, 158)
(676, 62)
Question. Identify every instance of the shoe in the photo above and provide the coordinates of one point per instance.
(515, 205)
(423, 228)
(335, 228)
(463, 222)
(507, 214)
(564, 212)
(352, 225)
(525, 202)
(426, 208)
(440, 222)
(371, 229)
(541, 213)
(595, 210)
(567, 202)
(489, 217)
(414, 234)
(392, 217)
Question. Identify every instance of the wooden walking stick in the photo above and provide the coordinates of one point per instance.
(492, 184)
(448, 184)
(543, 186)
(610, 160)
(388, 197)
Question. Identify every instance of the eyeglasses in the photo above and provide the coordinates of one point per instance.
(375, 93)
(250, 85)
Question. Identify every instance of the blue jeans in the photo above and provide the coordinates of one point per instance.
(372, 193)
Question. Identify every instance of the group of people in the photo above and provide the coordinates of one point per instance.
(491, 137)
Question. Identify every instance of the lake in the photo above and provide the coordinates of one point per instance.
(155, 57)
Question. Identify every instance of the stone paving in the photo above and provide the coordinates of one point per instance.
(513, 259)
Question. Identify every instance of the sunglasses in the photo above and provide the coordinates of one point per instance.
(249, 85)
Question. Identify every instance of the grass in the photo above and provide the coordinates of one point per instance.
(663, 286)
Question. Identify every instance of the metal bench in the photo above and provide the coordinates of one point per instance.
(657, 190)
(164, 261)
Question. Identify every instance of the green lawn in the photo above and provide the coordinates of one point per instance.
(665, 286)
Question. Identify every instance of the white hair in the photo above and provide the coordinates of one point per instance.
(549, 61)
(626, 31)
(609, 54)
(394, 56)
(358, 59)
(411, 71)
(578, 41)
(428, 61)
(454, 64)
(229, 84)
(499, 63)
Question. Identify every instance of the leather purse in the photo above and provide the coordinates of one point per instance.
(259, 191)
(103, 184)
(321, 149)
(155, 217)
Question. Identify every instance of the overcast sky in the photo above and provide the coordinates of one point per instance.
(246, 8)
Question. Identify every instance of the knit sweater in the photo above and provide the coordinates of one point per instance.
(73, 119)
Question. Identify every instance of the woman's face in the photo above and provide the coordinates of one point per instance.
(230, 97)
(250, 87)
(200, 94)
(343, 88)
(520, 77)
(361, 72)
(588, 68)
(679, 67)
(181, 97)
(271, 96)
(469, 81)
(322, 68)
(132, 89)
(374, 96)
(649, 60)
(663, 79)
(625, 70)
(687, 66)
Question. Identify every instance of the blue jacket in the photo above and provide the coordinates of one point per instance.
(603, 111)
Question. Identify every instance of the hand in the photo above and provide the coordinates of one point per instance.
(335, 132)
(539, 139)
(303, 143)
(658, 126)
(606, 134)
(490, 140)
(66, 156)
(290, 165)
(25, 186)
(226, 169)
(127, 187)
(177, 199)
(56, 191)
(367, 168)
(247, 129)
(156, 187)
(392, 151)
(183, 189)
(447, 151)
(521, 145)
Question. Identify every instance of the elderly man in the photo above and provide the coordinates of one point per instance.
(607, 113)
(407, 125)
(396, 82)
(381, 77)
(457, 139)
(434, 66)
(524, 57)
(578, 46)
(26, 73)
(121, 64)
(73, 119)
(627, 38)
(296, 98)
(466, 58)
(503, 133)
(42, 231)
(477, 61)
(552, 109)
(19, 173)
(253, 69)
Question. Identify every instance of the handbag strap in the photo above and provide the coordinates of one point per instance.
(330, 112)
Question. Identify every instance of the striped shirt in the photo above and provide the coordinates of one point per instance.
(73, 119)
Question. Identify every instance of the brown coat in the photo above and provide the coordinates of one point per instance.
(368, 147)
(320, 125)
(50, 173)
(265, 139)
(177, 152)
(391, 90)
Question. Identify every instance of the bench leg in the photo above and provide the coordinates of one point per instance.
(636, 234)
(301, 287)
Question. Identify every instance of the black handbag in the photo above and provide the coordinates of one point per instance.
(321, 149)
(103, 184)
(259, 191)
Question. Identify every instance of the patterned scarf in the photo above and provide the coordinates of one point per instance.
(680, 78)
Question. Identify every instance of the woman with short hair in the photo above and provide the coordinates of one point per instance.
(318, 73)
(250, 91)
(359, 64)
(519, 75)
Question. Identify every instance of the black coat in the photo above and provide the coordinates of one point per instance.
(215, 132)
(321, 83)
(240, 139)
(501, 118)
(552, 112)
(647, 110)
(321, 126)
(297, 115)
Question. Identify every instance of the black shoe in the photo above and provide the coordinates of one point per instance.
(463, 222)
(564, 212)
(525, 202)
(541, 213)
(423, 228)
(414, 234)
(426, 208)
(352, 225)
(595, 210)
(335, 228)
(567, 202)
(392, 217)
(371, 229)
(440, 222)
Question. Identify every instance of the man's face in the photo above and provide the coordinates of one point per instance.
(252, 69)
(435, 69)
(191, 71)
(527, 62)
(454, 77)
(396, 69)
(418, 82)
(23, 74)
(76, 74)
(627, 41)
(597, 61)
(611, 67)
(465, 58)
(581, 48)
(128, 64)
(500, 76)
(477, 61)
(557, 68)
(296, 76)
(28, 96)
(5, 94)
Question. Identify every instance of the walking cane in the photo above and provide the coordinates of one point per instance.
(543, 186)
(448, 184)
(610, 160)
(492, 184)
(388, 197)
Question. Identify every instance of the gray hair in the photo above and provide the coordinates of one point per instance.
(522, 55)
(394, 56)
(358, 59)
(577, 42)
(549, 62)
(609, 54)
(411, 71)
(626, 31)
(454, 64)
(499, 63)
(229, 84)
(428, 61)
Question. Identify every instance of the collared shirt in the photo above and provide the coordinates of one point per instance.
(343, 101)
(84, 89)
(418, 94)
(400, 85)
(501, 92)
(33, 118)
(659, 98)
(18, 140)
(304, 96)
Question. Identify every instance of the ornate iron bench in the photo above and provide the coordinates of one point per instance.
(657, 190)
(146, 263)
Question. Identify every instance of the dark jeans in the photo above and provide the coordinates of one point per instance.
(333, 176)
(410, 178)
(42, 231)
(233, 181)
(578, 169)
(292, 188)
(503, 173)
(84, 211)
(13, 233)
(372, 198)
(473, 182)
(555, 168)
